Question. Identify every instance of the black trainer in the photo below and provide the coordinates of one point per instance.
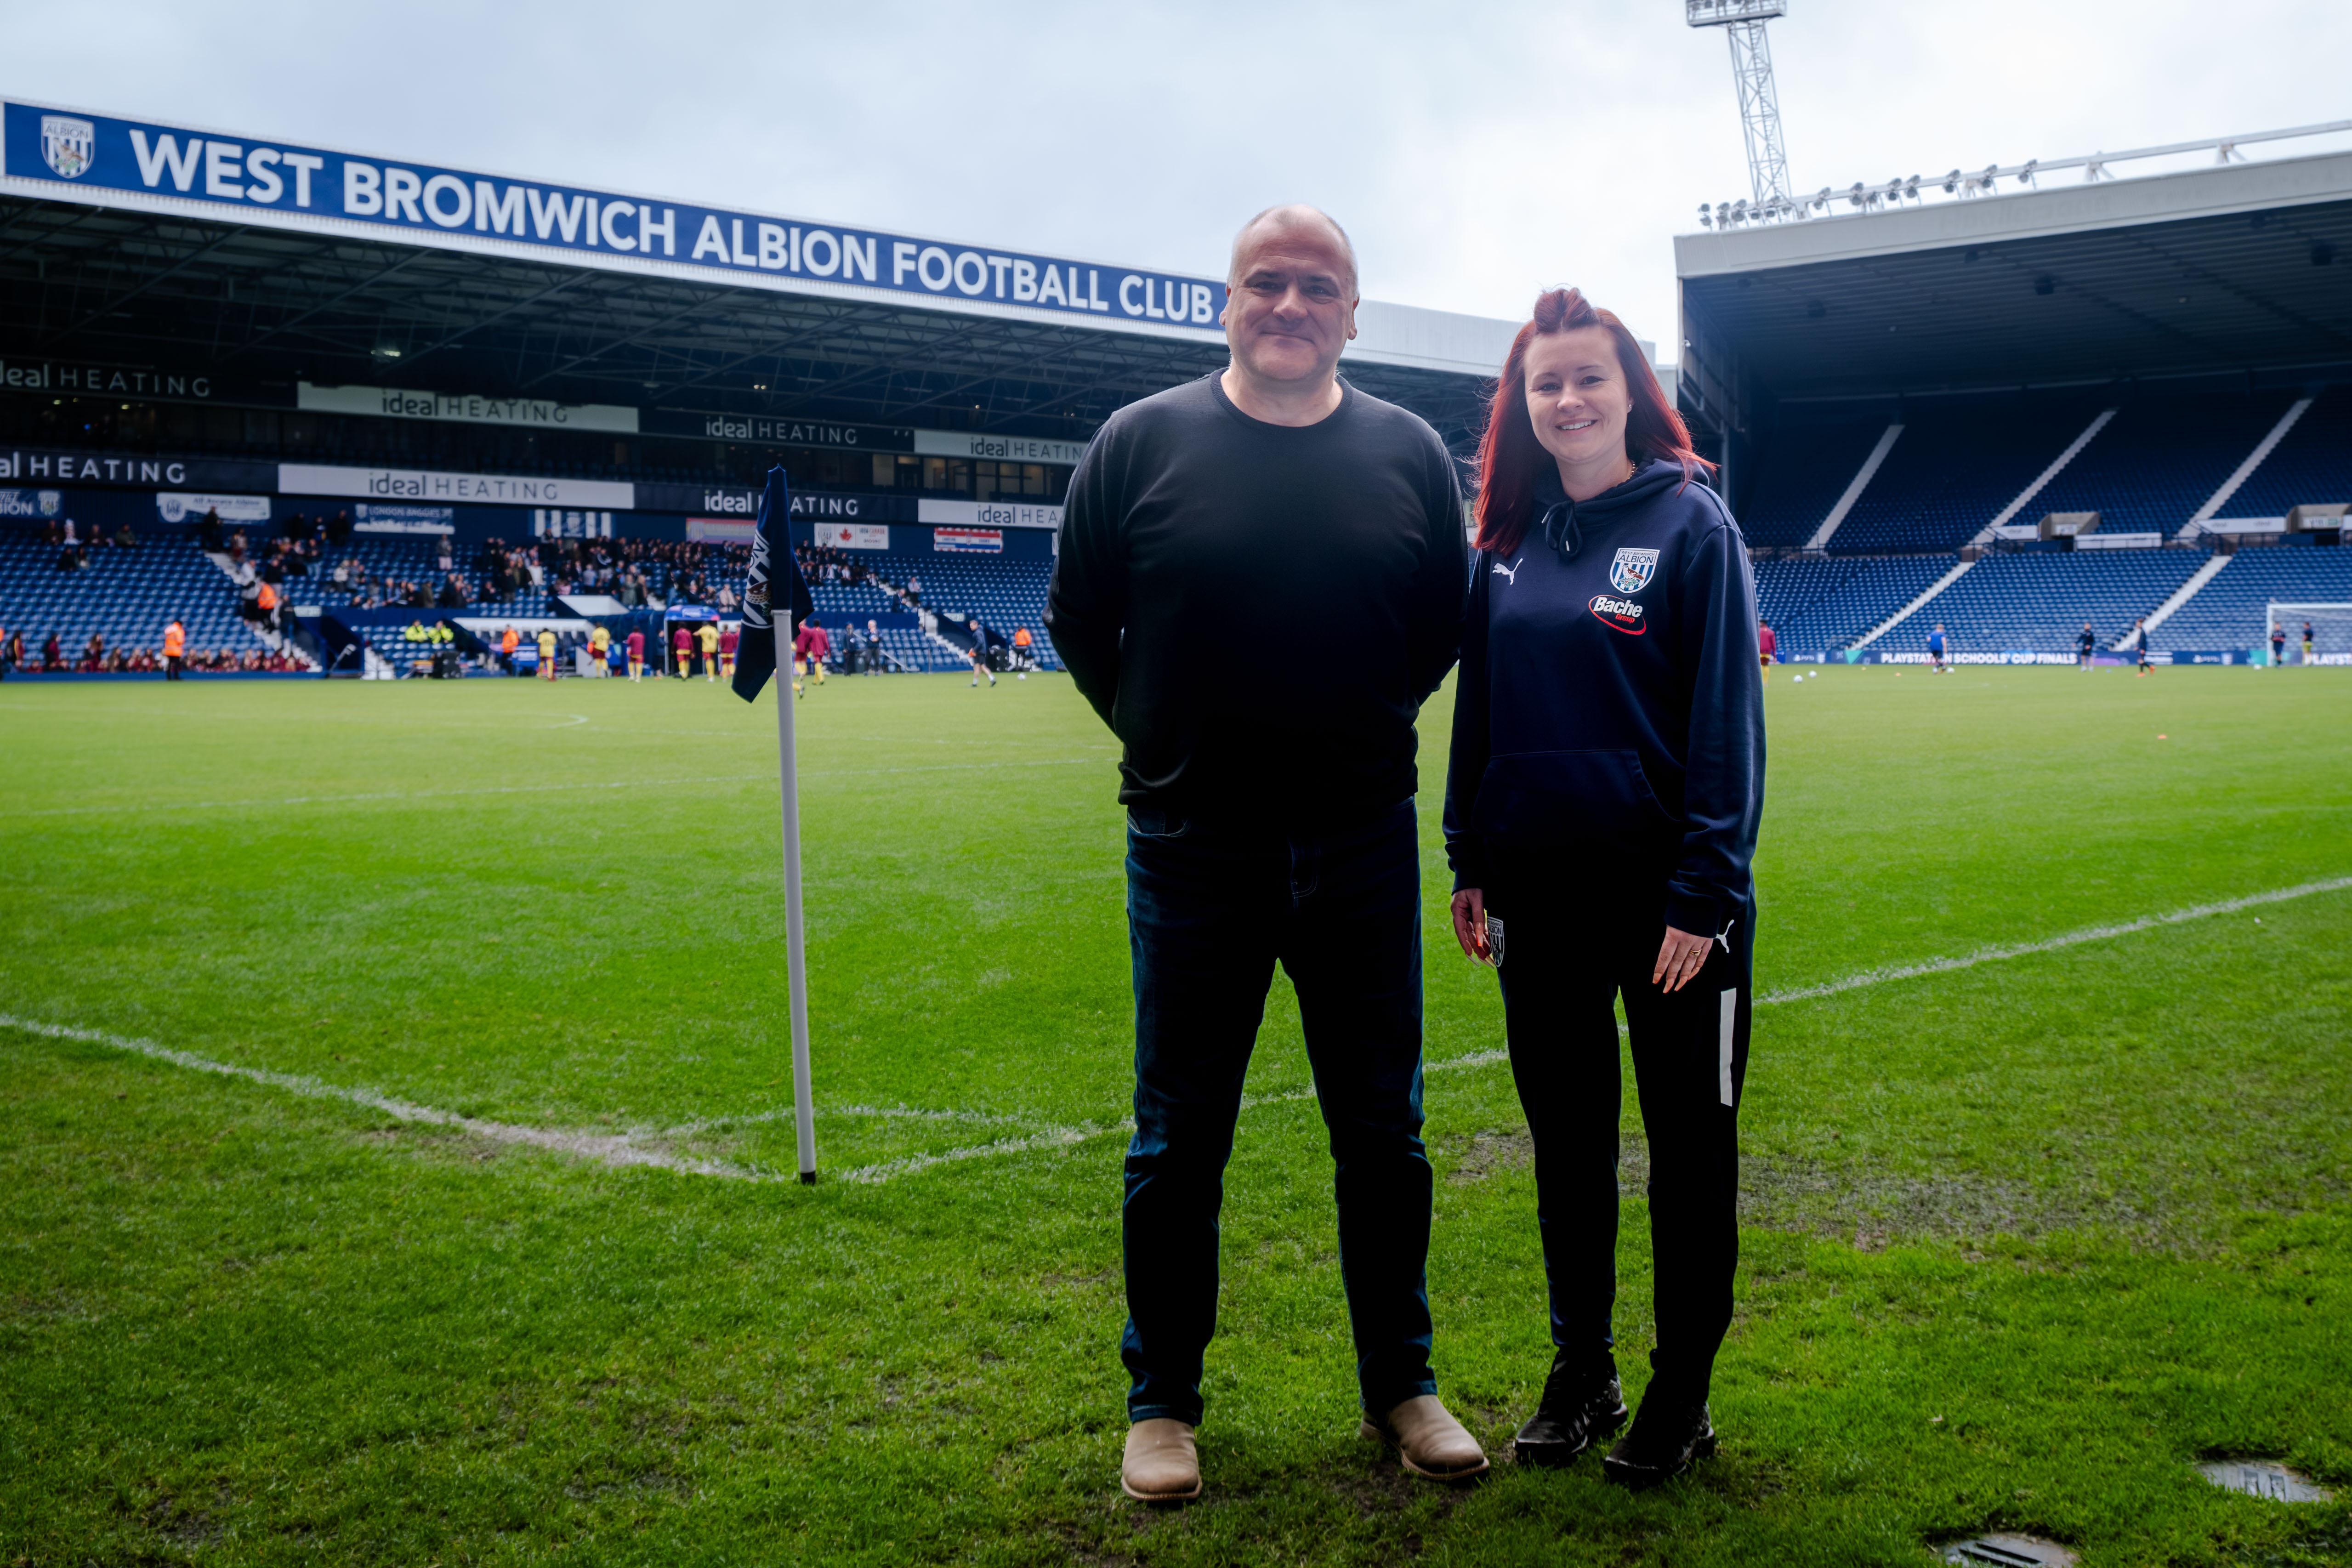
(1581, 1402)
(1667, 1436)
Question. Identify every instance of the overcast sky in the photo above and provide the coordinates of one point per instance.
(1475, 153)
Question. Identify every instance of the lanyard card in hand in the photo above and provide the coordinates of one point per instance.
(1495, 941)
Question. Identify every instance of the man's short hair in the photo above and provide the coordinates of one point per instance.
(1347, 246)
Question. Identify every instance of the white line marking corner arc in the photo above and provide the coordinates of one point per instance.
(622, 1150)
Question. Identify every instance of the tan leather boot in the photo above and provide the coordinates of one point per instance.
(1429, 1440)
(1161, 1465)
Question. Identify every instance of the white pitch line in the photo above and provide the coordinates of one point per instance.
(526, 789)
(620, 1149)
(608, 1149)
(1051, 1138)
(2051, 944)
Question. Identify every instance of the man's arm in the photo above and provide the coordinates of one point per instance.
(1085, 602)
(1434, 635)
(1465, 849)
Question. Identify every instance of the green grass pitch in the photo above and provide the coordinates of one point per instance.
(2023, 1240)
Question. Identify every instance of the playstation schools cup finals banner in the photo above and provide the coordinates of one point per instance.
(259, 180)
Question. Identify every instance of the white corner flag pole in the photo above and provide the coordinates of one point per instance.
(796, 965)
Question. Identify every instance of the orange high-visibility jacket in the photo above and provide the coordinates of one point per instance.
(176, 640)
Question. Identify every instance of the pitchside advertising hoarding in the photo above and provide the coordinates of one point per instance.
(244, 180)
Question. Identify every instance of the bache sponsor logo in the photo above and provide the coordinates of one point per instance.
(1625, 614)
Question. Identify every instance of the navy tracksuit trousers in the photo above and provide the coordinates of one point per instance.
(1573, 943)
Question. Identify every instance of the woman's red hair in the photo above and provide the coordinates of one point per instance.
(1510, 458)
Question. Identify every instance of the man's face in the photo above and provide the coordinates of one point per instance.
(1292, 306)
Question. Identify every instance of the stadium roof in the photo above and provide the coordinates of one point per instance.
(2242, 266)
(128, 242)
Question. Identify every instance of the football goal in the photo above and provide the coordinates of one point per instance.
(2331, 630)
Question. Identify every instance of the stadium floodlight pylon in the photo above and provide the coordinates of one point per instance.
(1742, 22)
(2290, 614)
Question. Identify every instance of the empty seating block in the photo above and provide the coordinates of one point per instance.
(127, 597)
(2157, 461)
(2313, 464)
(1820, 606)
(2227, 613)
(1800, 474)
(1953, 470)
(2038, 602)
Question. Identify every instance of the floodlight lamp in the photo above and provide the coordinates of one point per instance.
(1952, 183)
(1726, 13)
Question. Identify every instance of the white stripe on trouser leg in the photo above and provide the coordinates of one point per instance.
(1722, 1044)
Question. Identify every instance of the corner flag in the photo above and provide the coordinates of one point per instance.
(773, 568)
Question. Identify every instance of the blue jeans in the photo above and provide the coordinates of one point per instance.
(1212, 908)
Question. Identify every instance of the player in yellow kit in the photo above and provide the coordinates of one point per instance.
(707, 636)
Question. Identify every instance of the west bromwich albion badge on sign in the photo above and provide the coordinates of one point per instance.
(1631, 570)
(67, 144)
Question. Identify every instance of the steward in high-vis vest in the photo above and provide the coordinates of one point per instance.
(175, 648)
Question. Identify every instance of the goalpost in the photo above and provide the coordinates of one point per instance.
(2331, 627)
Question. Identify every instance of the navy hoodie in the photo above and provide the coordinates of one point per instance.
(1611, 706)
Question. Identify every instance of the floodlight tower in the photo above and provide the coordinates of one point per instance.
(1742, 22)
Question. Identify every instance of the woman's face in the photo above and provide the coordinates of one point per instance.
(1578, 398)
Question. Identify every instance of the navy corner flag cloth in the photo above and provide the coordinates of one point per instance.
(775, 584)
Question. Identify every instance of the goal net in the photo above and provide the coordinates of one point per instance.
(2331, 630)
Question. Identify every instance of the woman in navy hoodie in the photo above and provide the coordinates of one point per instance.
(1601, 810)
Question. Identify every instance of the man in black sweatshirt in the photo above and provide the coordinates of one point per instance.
(1272, 821)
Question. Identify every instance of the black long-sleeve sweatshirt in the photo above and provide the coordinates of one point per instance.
(1610, 703)
(1258, 611)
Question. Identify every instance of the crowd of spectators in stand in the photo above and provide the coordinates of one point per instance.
(73, 546)
(824, 563)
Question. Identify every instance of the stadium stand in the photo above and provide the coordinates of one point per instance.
(1953, 470)
(2313, 463)
(2037, 603)
(1004, 593)
(126, 596)
(2226, 614)
(1819, 606)
(2159, 460)
(1800, 476)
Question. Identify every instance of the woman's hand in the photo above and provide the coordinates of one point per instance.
(1680, 958)
(1470, 922)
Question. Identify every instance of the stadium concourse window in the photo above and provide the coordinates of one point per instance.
(982, 480)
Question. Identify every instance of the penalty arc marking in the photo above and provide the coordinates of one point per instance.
(624, 1150)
